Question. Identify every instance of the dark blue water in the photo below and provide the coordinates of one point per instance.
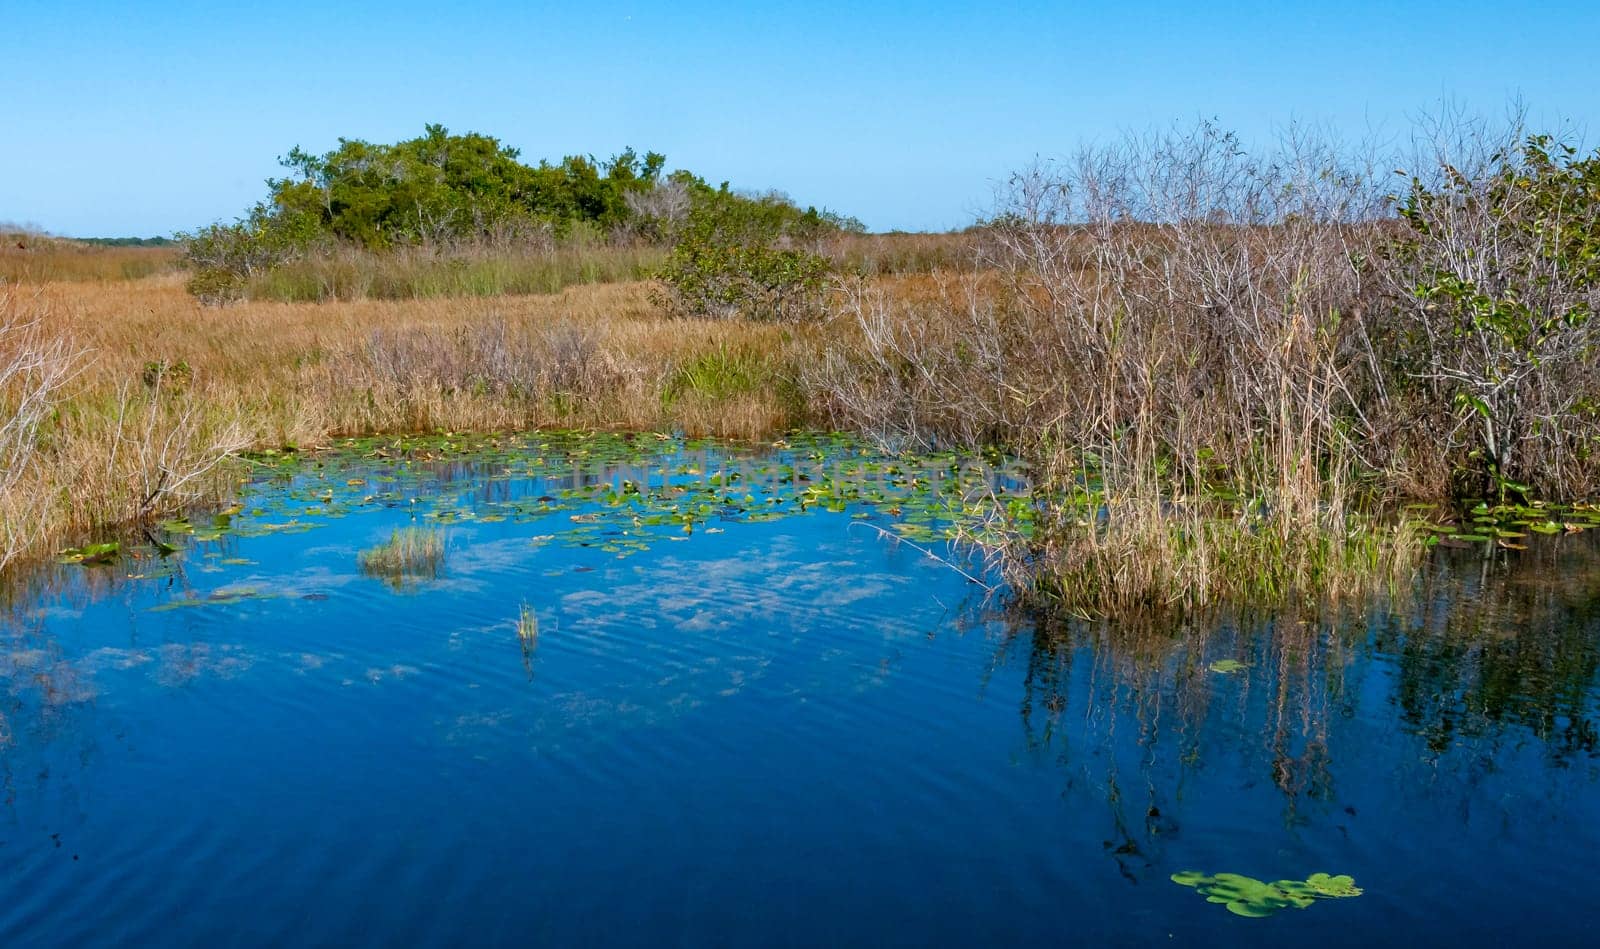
(780, 727)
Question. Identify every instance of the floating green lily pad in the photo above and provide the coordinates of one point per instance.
(1333, 887)
(91, 554)
(1256, 899)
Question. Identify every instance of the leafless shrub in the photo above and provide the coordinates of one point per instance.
(659, 210)
(1175, 343)
(167, 451)
(34, 368)
(496, 358)
(965, 373)
(66, 466)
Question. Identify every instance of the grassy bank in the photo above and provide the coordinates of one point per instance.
(350, 273)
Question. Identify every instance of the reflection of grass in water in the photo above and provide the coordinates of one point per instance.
(409, 555)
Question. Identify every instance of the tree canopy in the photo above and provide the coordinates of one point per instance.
(441, 187)
(441, 190)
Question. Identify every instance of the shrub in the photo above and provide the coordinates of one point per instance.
(1495, 283)
(171, 376)
(224, 257)
(754, 257)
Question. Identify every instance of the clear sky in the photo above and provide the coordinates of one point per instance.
(144, 118)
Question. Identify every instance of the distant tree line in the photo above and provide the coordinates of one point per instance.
(127, 241)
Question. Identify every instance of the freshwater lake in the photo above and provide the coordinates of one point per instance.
(657, 692)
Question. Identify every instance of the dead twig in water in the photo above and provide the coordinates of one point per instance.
(930, 554)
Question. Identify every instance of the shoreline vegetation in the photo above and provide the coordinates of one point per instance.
(1236, 377)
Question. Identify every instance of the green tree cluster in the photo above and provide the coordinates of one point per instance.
(441, 188)
(438, 190)
(732, 252)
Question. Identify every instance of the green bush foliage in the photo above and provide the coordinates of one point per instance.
(436, 191)
(1497, 276)
(441, 188)
(756, 257)
(441, 195)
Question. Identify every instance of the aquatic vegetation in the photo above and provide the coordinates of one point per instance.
(1503, 525)
(527, 626)
(622, 494)
(91, 554)
(527, 636)
(1333, 886)
(778, 597)
(1120, 540)
(1249, 897)
(224, 596)
(411, 554)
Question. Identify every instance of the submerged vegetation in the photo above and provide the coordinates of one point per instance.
(1224, 370)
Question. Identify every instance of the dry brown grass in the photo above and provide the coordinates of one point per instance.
(903, 253)
(593, 356)
(349, 273)
(35, 259)
(162, 390)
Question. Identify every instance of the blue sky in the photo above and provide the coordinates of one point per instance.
(124, 118)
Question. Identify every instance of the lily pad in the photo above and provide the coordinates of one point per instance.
(1256, 899)
(91, 554)
(1333, 887)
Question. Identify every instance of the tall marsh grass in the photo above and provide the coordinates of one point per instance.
(1163, 329)
(127, 400)
(77, 454)
(410, 556)
(353, 274)
(27, 258)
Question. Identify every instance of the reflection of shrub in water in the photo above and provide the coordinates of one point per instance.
(410, 555)
(1480, 653)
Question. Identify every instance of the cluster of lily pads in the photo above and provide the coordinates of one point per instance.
(91, 554)
(1249, 897)
(622, 493)
(1505, 525)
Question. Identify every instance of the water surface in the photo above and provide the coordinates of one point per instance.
(750, 716)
